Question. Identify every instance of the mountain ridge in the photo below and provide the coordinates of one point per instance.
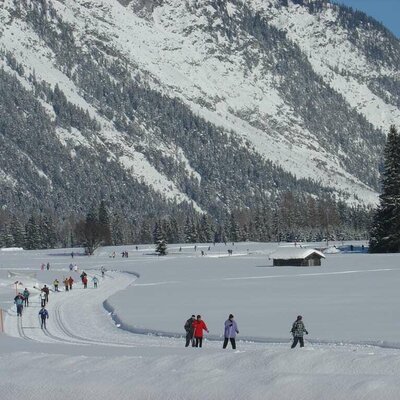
(165, 80)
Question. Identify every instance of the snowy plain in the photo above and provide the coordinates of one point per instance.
(349, 304)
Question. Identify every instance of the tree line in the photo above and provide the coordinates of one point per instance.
(288, 217)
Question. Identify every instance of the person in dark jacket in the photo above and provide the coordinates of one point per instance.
(298, 331)
(46, 291)
(19, 302)
(43, 314)
(190, 331)
(26, 294)
(231, 329)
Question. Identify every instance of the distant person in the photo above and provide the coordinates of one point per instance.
(75, 267)
(48, 266)
(66, 284)
(298, 330)
(42, 267)
(46, 291)
(137, 248)
(71, 267)
(82, 275)
(19, 302)
(199, 326)
(85, 281)
(55, 284)
(95, 281)
(26, 294)
(70, 282)
(42, 299)
(72, 254)
(189, 328)
(103, 271)
(231, 329)
(43, 314)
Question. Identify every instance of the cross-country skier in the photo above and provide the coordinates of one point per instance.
(189, 328)
(84, 281)
(199, 326)
(298, 331)
(43, 314)
(66, 284)
(42, 299)
(231, 329)
(19, 302)
(103, 270)
(46, 290)
(56, 283)
(95, 281)
(70, 282)
(26, 294)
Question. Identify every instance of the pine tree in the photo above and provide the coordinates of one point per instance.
(104, 220)
(159, 239)
(33, 239)
(385, 232)
(18, 232)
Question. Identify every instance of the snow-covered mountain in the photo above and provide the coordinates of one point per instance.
(158, 103)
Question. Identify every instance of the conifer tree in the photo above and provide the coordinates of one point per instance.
(385, 232)
(104, 220)
(160, 239)
(33, 239)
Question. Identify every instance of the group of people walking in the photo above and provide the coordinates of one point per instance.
(195, 328)
(22, 299)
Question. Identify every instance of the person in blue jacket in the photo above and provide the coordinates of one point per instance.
(43, 314)
(231, 329)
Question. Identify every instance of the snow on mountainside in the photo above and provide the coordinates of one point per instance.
(287, 86)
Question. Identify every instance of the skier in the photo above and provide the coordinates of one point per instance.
(71, 267)
(42, 299)
(48, 266)
(95, 282)
(103, 270)
(66, 283)
(19, 302)
(56, 283)
(198, 327)
(46, 291)
(189, 328)
(84, 281)
(70, 282)
(231, 329)
(26, 294)
(298, 330)
(82, 275)
(44, 314)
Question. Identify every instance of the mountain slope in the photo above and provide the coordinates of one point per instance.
(217, 104)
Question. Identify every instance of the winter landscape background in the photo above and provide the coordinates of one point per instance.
(164, 107)
(349, 305)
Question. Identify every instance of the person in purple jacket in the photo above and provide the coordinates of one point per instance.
(231, 329)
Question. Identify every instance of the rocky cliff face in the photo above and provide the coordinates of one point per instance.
(156, 104)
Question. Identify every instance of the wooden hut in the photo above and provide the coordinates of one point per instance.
(296, 257)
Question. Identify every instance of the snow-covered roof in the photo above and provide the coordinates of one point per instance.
(287, 253)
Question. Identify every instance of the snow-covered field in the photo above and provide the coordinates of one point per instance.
(349, 305)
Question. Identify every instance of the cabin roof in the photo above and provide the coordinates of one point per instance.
(288, 253)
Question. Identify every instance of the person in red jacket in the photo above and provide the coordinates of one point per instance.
(199, 326)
